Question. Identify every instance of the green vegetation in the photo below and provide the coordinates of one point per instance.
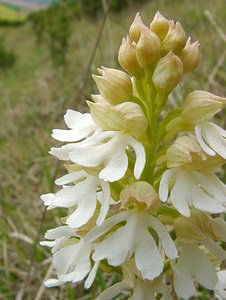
(7, 59)
(33, 97)
(9, 16)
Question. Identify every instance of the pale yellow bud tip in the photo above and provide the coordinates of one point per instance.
(137, 28)
(160, 25)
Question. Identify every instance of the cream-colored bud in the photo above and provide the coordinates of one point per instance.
(201, 106)
(127, 117)
(114, 85)
(140, 194)
(148, 49)
(168, 72)
(175, 39)
(100, 99)
(199, 227)
(187, 153)
(160, 25)
(127, 57)
(137, 28)
(190, 56)
(182, 152)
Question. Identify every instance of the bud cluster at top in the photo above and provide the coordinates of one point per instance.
(162, 50)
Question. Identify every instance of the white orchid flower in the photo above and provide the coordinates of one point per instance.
(189, 188)
(135, 239)
(82, 196)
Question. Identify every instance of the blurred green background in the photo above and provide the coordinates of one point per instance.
(47, 56)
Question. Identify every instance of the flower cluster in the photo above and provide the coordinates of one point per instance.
(142, 192)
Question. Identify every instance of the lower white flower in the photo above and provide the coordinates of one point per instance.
(106, 149)
(220, 288)
(211, 138)
(135, 239)
(191, 188)
(201, 268)
(71, 257)
(82, 195)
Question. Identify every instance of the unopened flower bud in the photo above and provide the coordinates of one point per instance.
(190, 56)
(175, 39)
(148, 49)
(127, 117)
(114, 85)
(199, 227)
(140, 194)
(127, 57)
(168, 72)
(160, 25)
(182, 152)
(201, 106)
(137, 28)
(187, 153)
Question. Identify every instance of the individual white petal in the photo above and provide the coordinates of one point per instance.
(219, 226)
(59, 232)
(206, 195)
(66, 197)
(75, 276)
(73, 118)
(116, 166)
(180, 195)
(97, 231)
(91, 277)
(47, 243)
(164, 184)
(53, 283)
(97, 138)
(110, 248)
(220, 288)
(167, 243)
(105, 202)
(84, 212)
(140, 156)
(47, 199)
(214, 136)
(63, 152)
(71, 135)
(68, 178)
(79, 132)
(203, 270)
(183, 284)
(207, 149)
(215, 248)
(111, 292)
(147, 257)
(212, 185)
(89, 156)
